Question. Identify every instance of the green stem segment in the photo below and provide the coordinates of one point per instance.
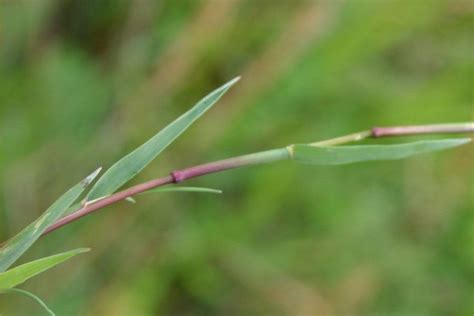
(344, 139)
(256, 159)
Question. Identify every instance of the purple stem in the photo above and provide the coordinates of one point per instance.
(422, 129)
(253, 159)
(231, 163)
(175, 177)
(122, 195)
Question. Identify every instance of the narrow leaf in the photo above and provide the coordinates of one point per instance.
(20, 274)
(130, 165)
(18, 244)
(184, 189)
(338, 155)
(30, 295)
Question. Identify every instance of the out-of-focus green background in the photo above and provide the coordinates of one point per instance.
(84, 82)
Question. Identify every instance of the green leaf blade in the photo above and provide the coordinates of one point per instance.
(18, 244)
(20, 274)
(130, 165)
(338, 155)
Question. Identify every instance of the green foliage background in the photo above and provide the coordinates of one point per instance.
(84, 82)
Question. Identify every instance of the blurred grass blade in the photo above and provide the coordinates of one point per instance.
(20, 274)
(130, 165)
(184, 189)
(17, 245)
(338, 155)
(30, 295)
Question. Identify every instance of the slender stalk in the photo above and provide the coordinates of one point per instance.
(111, 199)
(423, 129)
(30, 295)
(175, 177)
(264, 157)
(344, 139)
(231, 163)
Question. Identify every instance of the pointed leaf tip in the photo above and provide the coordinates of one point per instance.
(88, 180)
(82, 250)
(130, 165)
(235, 80)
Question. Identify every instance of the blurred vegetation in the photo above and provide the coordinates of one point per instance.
(83, 83)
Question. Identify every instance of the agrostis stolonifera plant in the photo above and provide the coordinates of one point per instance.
(104, 192)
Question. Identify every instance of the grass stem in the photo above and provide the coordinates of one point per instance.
(264, 157)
